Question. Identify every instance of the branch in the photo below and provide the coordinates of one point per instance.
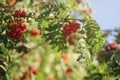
(57, 18)
(64, 19)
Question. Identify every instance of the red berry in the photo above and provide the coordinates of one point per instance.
(33, 70)
(107, 48)
(69, 71)
(88, 11)
(11, 2)
(43, 1)
(65, 57)
(70, 40)
(78, 1)
(35, 32)
(113, 46)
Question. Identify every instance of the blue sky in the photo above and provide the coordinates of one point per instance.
(106, 13)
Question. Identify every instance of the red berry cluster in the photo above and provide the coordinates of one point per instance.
(111, 47)
(19, 14)
(17, 30)
(69, 29)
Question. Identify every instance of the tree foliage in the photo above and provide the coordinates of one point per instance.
(36, 37)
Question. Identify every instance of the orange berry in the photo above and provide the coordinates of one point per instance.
(65, 57)
(35, 32)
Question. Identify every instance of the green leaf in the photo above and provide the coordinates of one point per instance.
(1, 1)
(98, 33)
(92, 41)
(54, 46)
(4, 37)
(44, 24)
(62, 13)
(54, 37)
(96, 48)
(94, 35)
